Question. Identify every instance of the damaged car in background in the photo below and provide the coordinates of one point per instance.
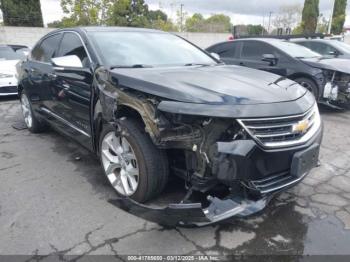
(154, 107)
(327, 78)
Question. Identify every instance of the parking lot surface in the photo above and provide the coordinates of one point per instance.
(54, 200)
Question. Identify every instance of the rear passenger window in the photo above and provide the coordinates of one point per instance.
(72, 45)
(47, 49)
(255, 50)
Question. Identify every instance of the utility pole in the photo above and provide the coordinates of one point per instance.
(181, 17)
(268, 30)
(331, 19)
(263, 25)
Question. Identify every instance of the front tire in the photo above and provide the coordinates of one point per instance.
(134, 166)
(32, 123)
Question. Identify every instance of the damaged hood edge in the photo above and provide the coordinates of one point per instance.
(296, 107)
(333, 64)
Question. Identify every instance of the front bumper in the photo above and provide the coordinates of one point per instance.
(252, 162)
(8, 86)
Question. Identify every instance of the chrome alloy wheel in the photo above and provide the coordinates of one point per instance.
(26, 111)
(120, 164)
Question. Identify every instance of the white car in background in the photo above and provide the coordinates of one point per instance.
(10, 56)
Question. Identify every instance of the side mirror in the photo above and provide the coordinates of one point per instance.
(334, 53)
(216, 56)
(67, 61)
(270, 58)
(23, 53)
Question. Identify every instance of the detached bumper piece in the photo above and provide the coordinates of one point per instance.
(193, 214)
(261, 173)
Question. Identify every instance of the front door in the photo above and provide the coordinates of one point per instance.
(252, 54)
(72, 89)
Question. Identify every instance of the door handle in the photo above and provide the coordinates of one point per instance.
(241, 63)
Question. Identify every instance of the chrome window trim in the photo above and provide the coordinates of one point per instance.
(59, 45)
(64, 121)
(81, 40)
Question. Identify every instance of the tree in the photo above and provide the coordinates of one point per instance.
(256, 30)
(159, 20)
(83, 12)
(322, 25)
(288, 16)
(219, 23)
(128, 13)
(339, 15)
(195, 23)
(22, 13)
(310, 16)
(55, 24)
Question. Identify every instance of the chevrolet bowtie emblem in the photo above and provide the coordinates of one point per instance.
(301, 126)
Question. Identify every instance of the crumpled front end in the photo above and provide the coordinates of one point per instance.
(337, 88)
(232, 167)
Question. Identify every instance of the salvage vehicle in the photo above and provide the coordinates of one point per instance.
(328, 79)
(9, 58)
(153, 107)
(326, 47)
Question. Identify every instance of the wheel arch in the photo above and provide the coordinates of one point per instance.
(307, 76)
(100, 121)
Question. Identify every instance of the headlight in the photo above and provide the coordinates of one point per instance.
(5, 75)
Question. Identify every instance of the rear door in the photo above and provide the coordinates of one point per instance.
(252, 53)
(72, 89)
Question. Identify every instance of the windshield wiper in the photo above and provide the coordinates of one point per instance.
(131, 66)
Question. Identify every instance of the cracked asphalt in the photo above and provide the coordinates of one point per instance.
(53, 201)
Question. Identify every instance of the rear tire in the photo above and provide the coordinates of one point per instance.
(309, 85)
(32, 123)
(129, 157)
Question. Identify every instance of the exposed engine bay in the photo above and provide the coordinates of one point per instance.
(337, 87)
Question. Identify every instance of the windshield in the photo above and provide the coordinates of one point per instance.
(295, 50)
(147, 49)
(7, 53)
(343, 47)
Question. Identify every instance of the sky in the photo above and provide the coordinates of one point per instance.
(241, 12)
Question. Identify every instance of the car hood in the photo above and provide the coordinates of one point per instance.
(8, 66)
(335, 64)
(219, 84)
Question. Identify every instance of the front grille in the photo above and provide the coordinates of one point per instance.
(283, 131)
(8, 90)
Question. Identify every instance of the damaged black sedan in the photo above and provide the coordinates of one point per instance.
(153, 106)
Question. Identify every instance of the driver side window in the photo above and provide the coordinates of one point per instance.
(72, 45)
(322, 48)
